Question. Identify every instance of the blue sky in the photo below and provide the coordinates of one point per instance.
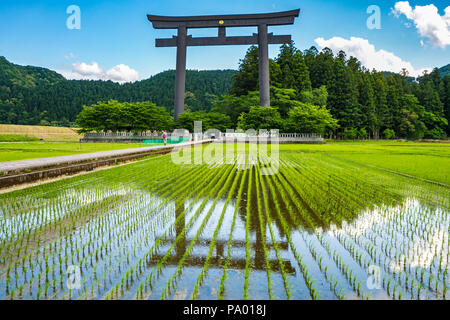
(119, 38)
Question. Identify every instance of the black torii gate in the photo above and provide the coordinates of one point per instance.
(262, 38)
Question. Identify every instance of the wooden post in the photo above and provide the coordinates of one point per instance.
(263, 61)
(180, 76)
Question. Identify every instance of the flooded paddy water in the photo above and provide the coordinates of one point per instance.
(310, 227)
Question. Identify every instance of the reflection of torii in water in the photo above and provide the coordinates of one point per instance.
(218, 261)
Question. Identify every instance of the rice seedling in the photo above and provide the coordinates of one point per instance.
(148, 229)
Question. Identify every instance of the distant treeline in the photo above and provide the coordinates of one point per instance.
(311, 91)
(367, 104)
(32, 95)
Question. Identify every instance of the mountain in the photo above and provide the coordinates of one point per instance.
(26, 76)
(34, 95)
(445, 70)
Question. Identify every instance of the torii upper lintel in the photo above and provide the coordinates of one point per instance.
(262, 38)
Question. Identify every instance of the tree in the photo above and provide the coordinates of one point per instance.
(410, 126)
(389, 133)
(343, 96)
(211, 120)
(186, 120)
(261, 118)
(283, 98)
(349, 134)
(382, 114)
(294, 72)
(246, 79)
(308, 118)
(444, 92)
(366, 99)
(429, 98)
(435, 125)
(114, 116)
(321, 70)
(317, 96)
(392, 103)
(234, 106)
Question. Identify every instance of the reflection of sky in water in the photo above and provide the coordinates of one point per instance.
(52, 211)
(129, 224)
(417, 235)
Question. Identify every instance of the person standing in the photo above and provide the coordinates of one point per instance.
(164, 136)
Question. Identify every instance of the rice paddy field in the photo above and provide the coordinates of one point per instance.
(313, 224)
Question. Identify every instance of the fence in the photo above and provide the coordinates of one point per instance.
(130, 137)
(271, 137)
(148, 137)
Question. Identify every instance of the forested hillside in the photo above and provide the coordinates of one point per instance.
(32, 95)
(445, 70)
(311, 90)
(366, 103)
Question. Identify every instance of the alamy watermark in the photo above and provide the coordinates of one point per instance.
(73, 277)
(374, 278)
(74, 19)
(374, 20)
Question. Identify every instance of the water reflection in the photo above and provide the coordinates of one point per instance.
(218, 261)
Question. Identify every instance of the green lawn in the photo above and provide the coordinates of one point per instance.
(424, 160)
(30, 150)
(17, 138)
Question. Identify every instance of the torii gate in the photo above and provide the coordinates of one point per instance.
(262, 38)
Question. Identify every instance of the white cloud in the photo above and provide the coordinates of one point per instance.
(87, 69)
(429, 23)
(122, 73)
(371, 58)
(84, 71)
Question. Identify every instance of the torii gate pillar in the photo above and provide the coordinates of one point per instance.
(263, 64)
(180, 76)
(263, 39)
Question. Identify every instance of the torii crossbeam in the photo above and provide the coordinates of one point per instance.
(262, 38)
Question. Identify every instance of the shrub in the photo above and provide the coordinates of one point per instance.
(362, 133)
(350, 133)
(261, 118)
(389, 134)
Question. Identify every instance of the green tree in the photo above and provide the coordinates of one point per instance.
(317, 96)
(246, 79)
(294, 72)
(392, 102)
(366, 100)
(114, 116)
(410, 126)
(435, 125)
(308, 118)
(382, 114)
(234, 106)
(343, 96)
(444, 92)
(429, 98)
(389, 133)
(211, 120)
(261, 118)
